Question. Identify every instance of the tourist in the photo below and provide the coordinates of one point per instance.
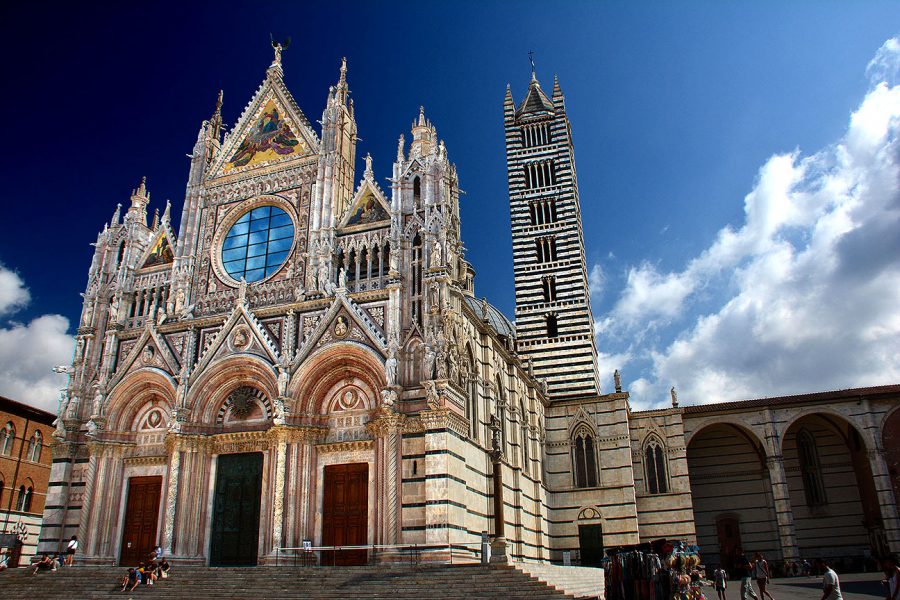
(131, 578)
(831, 584)
(761, 574)
(150, 572)
(157, 553)
(45, 564)
(164, 569)
(720, 577)
(71, 547)
(4, 560)
(745, 570)
(891, 579)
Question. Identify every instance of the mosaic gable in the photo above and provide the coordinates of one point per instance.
(270, 138)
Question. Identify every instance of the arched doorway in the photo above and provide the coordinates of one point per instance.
(832, 492)
(890, 440)
(732, 494)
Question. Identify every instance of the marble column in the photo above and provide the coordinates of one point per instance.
(278, 500)
(886, 501)
(787, 534)
(171, 494)
(387, 429)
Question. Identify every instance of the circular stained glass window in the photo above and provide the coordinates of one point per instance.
(258, 243)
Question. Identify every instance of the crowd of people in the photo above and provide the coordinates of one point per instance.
(758, 571)
(156, 568)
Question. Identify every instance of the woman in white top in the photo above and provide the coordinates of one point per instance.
(761, 574)
(71, 547)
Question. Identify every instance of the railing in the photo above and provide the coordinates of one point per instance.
(381, 554)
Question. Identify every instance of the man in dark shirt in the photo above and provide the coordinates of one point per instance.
(745, 570)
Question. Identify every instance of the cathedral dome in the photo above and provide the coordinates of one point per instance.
(495, 318)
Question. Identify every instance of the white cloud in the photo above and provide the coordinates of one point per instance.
(13, 293)
(596, 282)
(29, 351)
(812, 276)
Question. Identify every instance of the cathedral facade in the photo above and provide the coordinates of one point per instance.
(306, 361)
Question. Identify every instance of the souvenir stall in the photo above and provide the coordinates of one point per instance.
(661, 570)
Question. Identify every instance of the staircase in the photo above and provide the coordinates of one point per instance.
(469, 582)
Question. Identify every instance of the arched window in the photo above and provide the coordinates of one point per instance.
(121, 254)
(417, 191)
(34, 447)
(655, 467)
(7, 437)
(552, 326)
(548, 285)
(417, 278)
(810, 469)
(584, 458)
(24, 502)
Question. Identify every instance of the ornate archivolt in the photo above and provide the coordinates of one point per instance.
(322, 380)
(207, 395)
(135, 396)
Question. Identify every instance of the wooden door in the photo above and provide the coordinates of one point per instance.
(235, 526)
(141, 518)
(590, 542)
(728, 531)
(345, 512)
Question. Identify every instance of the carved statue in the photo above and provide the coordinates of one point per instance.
(59, 431)
(430, 358)
(674, 395)
(99, 399)
(390, 365)
(79, 348)
(322, 276)
(435, 262)
(242, 292)
(114, 309)
(278, 410)
(284, 378)
(394, 259)
(617, 379)
(342, 278)
(432, 395)
(496, 440)
(161, 315)
(88, 310)
(388, 397)
(72, 407)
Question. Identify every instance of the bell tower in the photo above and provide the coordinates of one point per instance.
(554, 325)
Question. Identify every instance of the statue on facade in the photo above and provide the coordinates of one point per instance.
(279, 47)
(114, 309)
(72, 407)
(432, 395)
(391, 364)
(388, 398)
(617, 379)
(674, 395)
(342, 278)
(435, 262)
(99, 399)
(430, 358)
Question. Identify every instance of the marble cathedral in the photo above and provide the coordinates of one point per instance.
(306, 359)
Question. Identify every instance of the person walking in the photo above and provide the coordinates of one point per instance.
(761, 574)
(71, 547)
(891, 579)
(831, 584)
(720, 578)
(745, 569)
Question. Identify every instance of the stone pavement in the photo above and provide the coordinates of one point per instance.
(855, 586)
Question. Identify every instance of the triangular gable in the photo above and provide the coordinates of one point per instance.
(357, 326)
(150, 350)
(271, 129)
(369, 207)
(242, 333)
(160, 252)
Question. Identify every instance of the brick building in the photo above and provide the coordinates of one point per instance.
(24, 470)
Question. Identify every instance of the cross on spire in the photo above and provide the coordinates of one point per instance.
(531, 60)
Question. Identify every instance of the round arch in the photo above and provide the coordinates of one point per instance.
(833, 417)
(131, 394)
(221, 378)
(326, 368)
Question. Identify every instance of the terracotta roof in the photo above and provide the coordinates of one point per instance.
(796, 399)
(26, 411)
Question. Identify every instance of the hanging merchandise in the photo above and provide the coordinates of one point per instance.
(637, 573)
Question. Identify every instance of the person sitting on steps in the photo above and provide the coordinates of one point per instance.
(131, 578)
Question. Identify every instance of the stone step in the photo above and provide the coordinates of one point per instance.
(462, 582)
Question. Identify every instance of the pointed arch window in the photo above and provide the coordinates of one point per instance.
(584, 457)
(811, 469)
(24, 502)
(655, 467)
(35, 446)
(7, 437)
(417, 278)
(417, 191)
(548, 286)
(121, 253)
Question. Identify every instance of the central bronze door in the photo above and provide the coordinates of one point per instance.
(235, 526)
(141, 517)
(345, 514)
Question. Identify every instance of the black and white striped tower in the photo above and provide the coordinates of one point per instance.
(554, 326)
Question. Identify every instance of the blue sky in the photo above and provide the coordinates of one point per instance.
(677, 110)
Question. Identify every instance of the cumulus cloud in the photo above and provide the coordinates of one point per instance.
(596, 282)
(812, 276)
(28, 351)
(13, 293)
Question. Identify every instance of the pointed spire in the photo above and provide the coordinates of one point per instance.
(116, 214)
(167, 214)
(341, 90)
(559, 99)
(139, 200)
(155, 220)
(215, 122)
(422, 120)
